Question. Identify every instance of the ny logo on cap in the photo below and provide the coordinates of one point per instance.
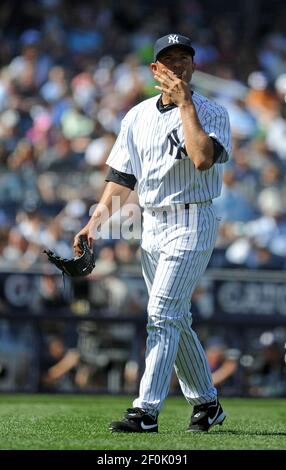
(173, 39)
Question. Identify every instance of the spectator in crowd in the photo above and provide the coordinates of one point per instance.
(275, 136)
(58, 366)
(232, 205)
(267, 375)
(263, 244)
(224, 365)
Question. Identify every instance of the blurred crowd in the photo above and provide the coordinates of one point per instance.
(237, 369)
(70, 72)
(107, 357)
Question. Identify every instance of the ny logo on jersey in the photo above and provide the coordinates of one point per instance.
(173, 39)
(176, 146)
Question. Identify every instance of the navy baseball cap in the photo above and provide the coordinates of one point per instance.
(171, 40)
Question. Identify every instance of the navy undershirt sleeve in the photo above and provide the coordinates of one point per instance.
(124, 179)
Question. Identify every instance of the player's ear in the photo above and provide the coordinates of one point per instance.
(154, 67)
(194, 65)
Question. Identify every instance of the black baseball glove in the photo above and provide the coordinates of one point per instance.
(77, 266)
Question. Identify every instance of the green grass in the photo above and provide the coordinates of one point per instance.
(81, 422)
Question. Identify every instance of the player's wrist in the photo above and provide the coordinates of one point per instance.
(94, 218)
(187, 103)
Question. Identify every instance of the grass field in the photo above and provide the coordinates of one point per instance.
(81, 422)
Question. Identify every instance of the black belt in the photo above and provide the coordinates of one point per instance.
(187, 206)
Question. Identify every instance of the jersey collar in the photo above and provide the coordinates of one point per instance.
(163, 108)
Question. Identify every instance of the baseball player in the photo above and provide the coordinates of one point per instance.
(173, 146)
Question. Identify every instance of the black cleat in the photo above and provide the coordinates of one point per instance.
(205, 416)
(135, 420)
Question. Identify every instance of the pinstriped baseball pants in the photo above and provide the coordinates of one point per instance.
(176, 246)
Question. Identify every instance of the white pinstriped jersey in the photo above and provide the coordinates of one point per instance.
(150, 146)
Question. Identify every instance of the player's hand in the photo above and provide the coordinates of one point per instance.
(174, 87)
(89, 233)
